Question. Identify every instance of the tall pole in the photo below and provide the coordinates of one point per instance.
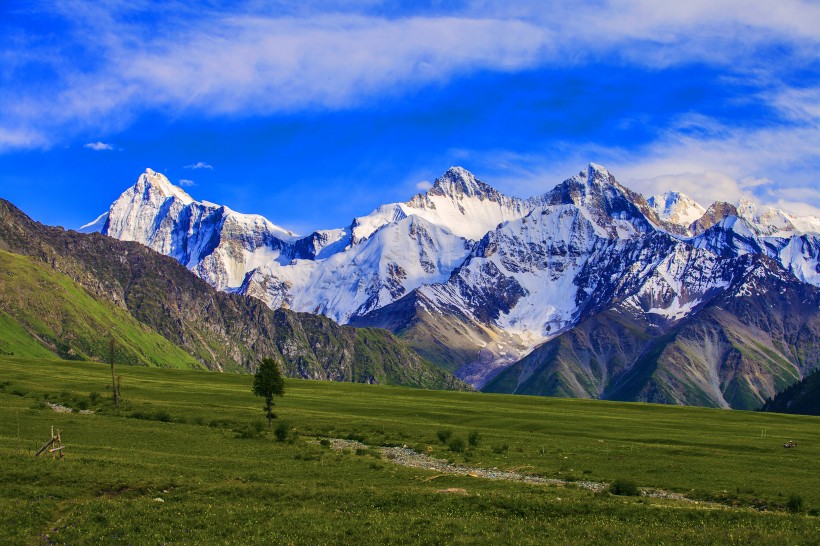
(113, 382)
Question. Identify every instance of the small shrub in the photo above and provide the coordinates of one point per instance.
(444, 435)
(376, 466)
(357, 437)
(94, 397)
(626, 488)
(473, 438)
(500, 449)
(324, 442)
(81, 404)
(361, 451)
(457, 445)
(795, 503)
(247, 433)
(282, 432)
(162, 416)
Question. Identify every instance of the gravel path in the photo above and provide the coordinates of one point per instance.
(407, 457)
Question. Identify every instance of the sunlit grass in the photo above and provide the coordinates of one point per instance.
(179, 437)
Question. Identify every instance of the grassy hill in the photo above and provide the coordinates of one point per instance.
(45, 313)
(183, 461)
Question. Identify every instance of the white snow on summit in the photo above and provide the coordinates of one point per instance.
(219, 244)
(676, 208)
(771, 221)
(458, 202)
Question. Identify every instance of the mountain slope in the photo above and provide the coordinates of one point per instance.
(744, 345)
(802, 397)
(46, 313)
(219, 330)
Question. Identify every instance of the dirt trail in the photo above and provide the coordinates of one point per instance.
(407, 457)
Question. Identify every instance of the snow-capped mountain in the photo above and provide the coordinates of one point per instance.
(394, 260)
(676, 208)
(476, 280)
(770, 221)
(458, 202)
(217, 243)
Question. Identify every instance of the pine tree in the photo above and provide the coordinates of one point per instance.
(267, 383)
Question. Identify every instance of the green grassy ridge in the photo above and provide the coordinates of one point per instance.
(44, 311)
(218, 488)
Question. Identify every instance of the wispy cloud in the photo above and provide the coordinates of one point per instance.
(184, 182)
(250, 62)
(98, 146)
(199, 165)
(423, 185)
(709, 160)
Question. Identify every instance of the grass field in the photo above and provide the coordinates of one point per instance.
(182, 461)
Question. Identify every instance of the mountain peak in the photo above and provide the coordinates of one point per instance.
(151, 179)
(676, 207)
(458, 181)
(595, 169)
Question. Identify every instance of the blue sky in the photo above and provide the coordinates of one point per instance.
(311, 113)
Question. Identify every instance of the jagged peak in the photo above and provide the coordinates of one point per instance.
(716, 213)
(594, 179)
(162, 185)
(458, 181)
(593, 170)
(676, 207)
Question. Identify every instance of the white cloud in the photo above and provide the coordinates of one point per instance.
(98, 146)
(699, 156)
(199, 165)
(256, 62)
(424, 185)
(184, 182)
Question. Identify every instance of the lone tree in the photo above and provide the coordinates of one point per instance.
(268, 383)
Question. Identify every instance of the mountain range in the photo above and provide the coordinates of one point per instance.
(68, 294)
(586, 290)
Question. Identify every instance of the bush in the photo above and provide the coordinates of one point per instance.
(282, 432)
(500, 449)
(626, 488)
(162, 416)
(94, 397)
(444, 435)
(324, 442)
(457, 444)
(795, 503)
(473, 438)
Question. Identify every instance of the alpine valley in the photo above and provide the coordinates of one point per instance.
(588, 290)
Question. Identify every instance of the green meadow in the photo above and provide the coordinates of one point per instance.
(188, 459)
